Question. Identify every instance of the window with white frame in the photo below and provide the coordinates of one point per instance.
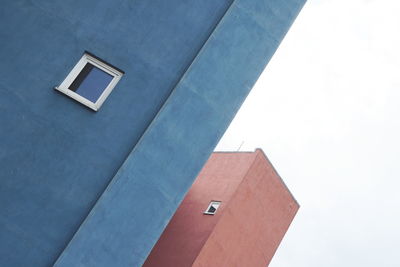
(212, 207)
(90, 81)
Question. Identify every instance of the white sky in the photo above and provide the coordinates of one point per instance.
(326, 112)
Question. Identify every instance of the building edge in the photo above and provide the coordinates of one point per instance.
(266, 162)
(86, 240)
(278, 175)
(138, 142)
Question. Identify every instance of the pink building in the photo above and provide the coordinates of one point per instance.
(235, 214)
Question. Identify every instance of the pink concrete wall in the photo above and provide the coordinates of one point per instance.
(253, 223)
(255, 213)
(189, 228)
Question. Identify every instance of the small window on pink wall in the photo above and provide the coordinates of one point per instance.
(212, 208)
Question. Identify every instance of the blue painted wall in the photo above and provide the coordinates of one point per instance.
(57, 156)
(134, 209)
(106, 183)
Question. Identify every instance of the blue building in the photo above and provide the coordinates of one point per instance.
(108, 111)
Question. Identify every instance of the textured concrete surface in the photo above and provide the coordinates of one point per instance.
(189, 228)
(256, 210)
(57, 156)
(180, 139)
(107, 183)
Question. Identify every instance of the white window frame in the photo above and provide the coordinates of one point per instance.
(87, 58)
(211, 203)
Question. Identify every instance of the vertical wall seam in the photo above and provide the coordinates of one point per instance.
(232, 196)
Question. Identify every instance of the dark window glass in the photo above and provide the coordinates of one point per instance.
(91, 82)
(212, 209)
